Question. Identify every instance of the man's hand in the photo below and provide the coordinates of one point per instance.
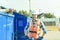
(43, 35)
(25, 32)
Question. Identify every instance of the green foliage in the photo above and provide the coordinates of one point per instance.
(59, 20)
(40, 15)
(14, 10)
(49, 15)
(1, 7)
(24, 13)
(46, 15)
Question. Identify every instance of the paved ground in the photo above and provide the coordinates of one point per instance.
(52, 35)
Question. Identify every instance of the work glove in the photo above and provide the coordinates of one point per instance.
(41, 38)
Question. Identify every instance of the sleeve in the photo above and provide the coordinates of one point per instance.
(42, 26)
(27, 25)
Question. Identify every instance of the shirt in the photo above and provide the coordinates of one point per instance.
(42, 26)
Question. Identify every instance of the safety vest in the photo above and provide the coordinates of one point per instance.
(33, 29)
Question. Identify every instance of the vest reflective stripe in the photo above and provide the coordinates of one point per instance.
(33, 30)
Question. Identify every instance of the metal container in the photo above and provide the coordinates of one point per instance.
(6, 26)
(20, 22)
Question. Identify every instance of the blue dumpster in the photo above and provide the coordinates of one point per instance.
(20, 22)
(6, 26)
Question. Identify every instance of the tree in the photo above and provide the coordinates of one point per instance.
(46, 15)
(49, 15)
(59, 20)
(24, 13)
(1, 7)
(40, 15)
(14, 10)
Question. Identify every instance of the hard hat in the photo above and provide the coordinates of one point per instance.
(35, 12)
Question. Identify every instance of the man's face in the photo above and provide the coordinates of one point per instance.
(34, 16)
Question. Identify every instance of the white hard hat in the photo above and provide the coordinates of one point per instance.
(35, 12)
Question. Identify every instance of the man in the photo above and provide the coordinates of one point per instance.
(33, 28)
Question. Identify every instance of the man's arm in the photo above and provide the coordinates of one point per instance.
(26, 29)
(27, 26)
(43, 28)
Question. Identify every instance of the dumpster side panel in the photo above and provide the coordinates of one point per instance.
(20, 22)
(9, 28)
(1, 24)
(6, 26)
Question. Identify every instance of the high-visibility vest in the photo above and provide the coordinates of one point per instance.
(33, 29)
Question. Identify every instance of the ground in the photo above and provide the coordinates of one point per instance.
(52, 35)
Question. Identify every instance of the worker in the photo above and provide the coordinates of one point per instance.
(34, 27)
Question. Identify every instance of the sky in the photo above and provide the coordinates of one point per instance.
(45, 6)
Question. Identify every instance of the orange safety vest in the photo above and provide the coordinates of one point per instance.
(33, 30)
